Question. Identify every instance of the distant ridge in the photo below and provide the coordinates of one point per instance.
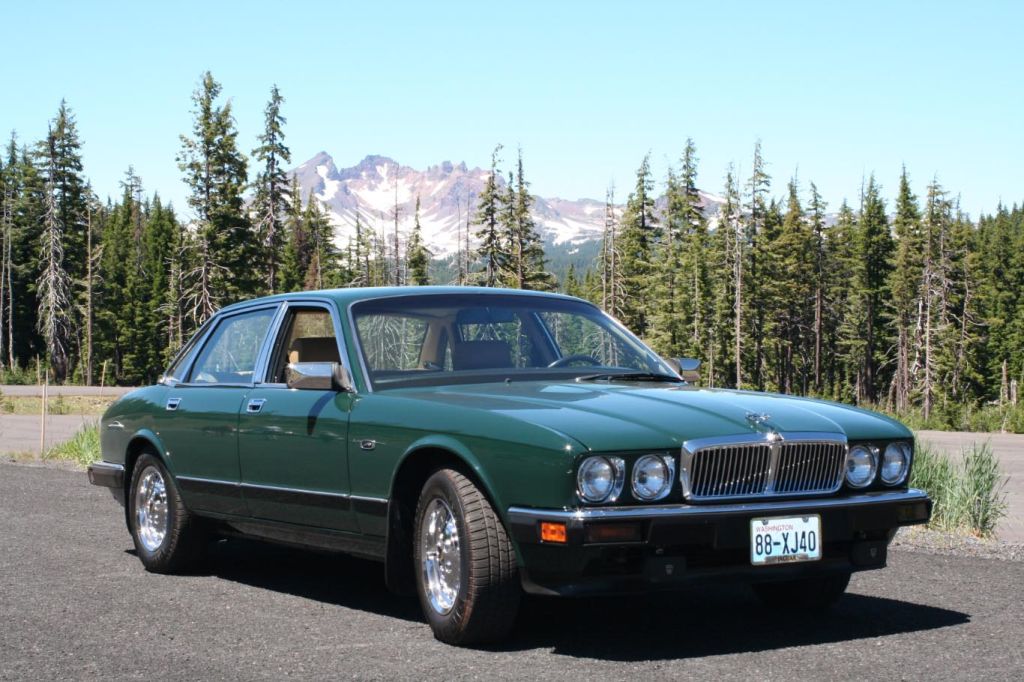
(448, 193)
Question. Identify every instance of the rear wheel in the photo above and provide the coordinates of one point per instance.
(467, 578)
(168, 538)
(816, 592)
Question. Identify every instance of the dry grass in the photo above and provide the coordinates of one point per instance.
(76, 404)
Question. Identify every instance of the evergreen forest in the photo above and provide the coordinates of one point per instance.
(894, 300)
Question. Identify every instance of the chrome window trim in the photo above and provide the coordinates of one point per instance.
(773, 439)
(754, 509)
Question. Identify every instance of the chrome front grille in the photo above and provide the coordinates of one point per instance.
(773, 466)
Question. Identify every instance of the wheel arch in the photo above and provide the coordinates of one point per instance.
(142, 441)
(420, 460)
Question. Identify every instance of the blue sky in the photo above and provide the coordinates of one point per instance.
(835, 90)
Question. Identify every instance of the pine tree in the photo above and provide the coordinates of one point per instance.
(820, 280)
(215, 172)
(875, 247)
(736, 254)
(612, 287)
(270, 203)
(682, 291)
(639, 236)
(27, 215)
(322, 270)
(492, 249)
(526, 267)
(787, 292)
(758, 188)
(672, 307)
(418, 255)
(8, 184)
(847, 337)
(71, 190)
(905, 287)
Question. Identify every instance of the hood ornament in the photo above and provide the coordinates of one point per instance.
(756, 420)
(760, 422)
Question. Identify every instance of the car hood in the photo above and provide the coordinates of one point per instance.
(633, 415)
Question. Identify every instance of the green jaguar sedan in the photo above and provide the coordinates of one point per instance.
(485, 442)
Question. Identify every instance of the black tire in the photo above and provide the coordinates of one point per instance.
(486, 602)
(814, 593)
(183, 541)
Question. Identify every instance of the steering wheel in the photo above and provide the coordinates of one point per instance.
(579, 357)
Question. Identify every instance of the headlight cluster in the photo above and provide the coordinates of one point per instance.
(864, 462)
(601, 478)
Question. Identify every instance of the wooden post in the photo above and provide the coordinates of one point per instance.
(42, 418)
(103, 377)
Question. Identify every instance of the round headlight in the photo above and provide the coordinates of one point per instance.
(600, 479)
(895, 463)
(861, 462)
(652, 477)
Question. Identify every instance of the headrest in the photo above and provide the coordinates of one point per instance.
(314, 349)
(481, 355)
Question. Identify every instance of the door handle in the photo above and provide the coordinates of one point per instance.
(172, 404)
(255, 405)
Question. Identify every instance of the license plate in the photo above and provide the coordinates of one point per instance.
(783, 540)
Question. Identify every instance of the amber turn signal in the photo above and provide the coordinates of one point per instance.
(552, 532)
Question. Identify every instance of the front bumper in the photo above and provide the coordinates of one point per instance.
(108, 475)
(680, 543)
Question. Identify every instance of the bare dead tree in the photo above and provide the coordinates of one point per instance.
(54, 284)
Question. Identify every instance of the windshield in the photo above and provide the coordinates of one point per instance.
(473, 338)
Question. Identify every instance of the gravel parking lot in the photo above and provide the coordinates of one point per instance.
(76, 604)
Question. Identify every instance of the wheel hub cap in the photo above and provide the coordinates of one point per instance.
(151, 509)
(442, 565)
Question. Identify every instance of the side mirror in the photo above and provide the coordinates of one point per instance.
(688, 368)
(319, 376)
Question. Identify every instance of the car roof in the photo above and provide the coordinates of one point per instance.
(345, 297)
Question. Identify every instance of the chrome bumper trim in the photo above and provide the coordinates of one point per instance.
(751, 508)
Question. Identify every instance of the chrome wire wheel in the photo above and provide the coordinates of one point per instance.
(151, 518)
(441, 556)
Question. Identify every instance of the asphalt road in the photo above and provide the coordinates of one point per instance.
(76, 604)
(20, 432)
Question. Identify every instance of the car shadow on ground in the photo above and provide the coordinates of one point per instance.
(707, 621)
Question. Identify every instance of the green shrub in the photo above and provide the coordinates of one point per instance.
(934, 473)
(82, 448)
(982, 500)
(965, 497)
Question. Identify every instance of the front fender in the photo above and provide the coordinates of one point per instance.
(457, 448)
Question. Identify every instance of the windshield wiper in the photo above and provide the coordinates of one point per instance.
(631, 376)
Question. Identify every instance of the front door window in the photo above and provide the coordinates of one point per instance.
(229, 357)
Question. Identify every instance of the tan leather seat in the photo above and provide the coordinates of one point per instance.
(314, 349)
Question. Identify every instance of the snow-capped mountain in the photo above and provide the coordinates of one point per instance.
(448, 195)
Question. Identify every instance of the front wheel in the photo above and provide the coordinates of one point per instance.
(467, 578)
(813, 593)
(168, 538)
